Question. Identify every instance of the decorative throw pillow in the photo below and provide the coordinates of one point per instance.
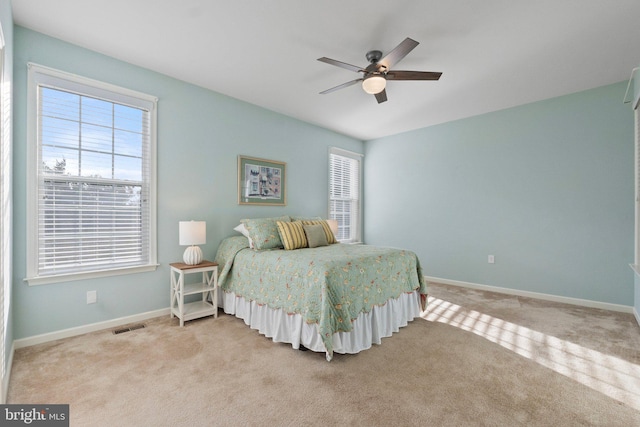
(315, 235)
(243, 230)
(264, 232)
(331, 239)
(305, 218)
(292, 234)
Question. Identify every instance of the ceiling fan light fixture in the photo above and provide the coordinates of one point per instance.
(374, 84)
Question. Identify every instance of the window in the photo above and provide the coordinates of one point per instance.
(345, 173)
(91, 195)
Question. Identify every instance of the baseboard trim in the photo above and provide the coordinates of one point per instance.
(635, 313)
(536, 295)
(80, 330)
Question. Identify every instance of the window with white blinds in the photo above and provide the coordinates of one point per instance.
(93, 202)
(345, 172)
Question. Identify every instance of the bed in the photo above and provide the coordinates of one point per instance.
(337, 298)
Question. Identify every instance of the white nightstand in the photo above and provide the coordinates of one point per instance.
(207, 288)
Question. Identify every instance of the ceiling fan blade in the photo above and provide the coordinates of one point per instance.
(342, 86)
(341, 64)
(381, 96)
(413, 75)
(398, 53)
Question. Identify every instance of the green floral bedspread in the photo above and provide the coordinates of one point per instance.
(329, 286)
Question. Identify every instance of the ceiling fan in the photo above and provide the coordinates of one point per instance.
(376, 74)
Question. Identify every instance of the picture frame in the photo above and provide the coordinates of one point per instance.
(261, 182)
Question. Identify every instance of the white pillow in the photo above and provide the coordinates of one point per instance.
(243, 230)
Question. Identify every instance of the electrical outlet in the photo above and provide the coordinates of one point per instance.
(491, 259)
(92, 297)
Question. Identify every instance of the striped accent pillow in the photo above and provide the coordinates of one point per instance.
(292, 234)
(331, 239)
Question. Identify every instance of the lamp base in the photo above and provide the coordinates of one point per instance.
(192, 255)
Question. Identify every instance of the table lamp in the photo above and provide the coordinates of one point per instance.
(193, 233)
(333, 225)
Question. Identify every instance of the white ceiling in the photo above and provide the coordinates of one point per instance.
(493, 54)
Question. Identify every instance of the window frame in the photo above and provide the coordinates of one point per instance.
(357, 235)
(39, 75)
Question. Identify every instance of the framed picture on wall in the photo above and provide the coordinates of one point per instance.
(261, 182)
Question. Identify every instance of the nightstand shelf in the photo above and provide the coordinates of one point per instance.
(197, 288)
(208, 288)
(195, 310)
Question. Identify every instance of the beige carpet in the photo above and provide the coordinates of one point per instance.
(477, 358)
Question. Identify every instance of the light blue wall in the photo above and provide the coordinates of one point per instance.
(636, 85)
(200, 135)
(546, 187)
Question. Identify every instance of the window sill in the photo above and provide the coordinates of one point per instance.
(45, 280)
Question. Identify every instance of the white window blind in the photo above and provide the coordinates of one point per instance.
(94, 207)
(344, 193)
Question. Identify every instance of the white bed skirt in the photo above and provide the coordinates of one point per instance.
(368, 328)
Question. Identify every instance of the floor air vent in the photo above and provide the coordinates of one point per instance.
(129, 328)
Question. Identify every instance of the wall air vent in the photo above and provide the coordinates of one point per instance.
(129, 328)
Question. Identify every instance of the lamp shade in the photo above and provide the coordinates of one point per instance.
(333, 225)
(374, 84)
(193, 233)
